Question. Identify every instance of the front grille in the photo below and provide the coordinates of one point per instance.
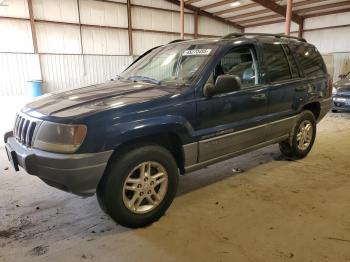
(24, 130)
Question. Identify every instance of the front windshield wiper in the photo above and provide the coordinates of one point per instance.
(144, 79)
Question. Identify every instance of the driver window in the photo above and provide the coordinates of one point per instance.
(240, 62)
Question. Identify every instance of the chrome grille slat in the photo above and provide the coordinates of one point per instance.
(20, 129)
(18, 125)
(28, 133)
(24, 129)
(14, 128)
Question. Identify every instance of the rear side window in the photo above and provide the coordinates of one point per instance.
(310, 60)
(277, 63)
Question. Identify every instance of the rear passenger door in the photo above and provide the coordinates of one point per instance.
(282, 75)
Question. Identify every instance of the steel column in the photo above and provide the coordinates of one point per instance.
(131, 49)
(288, 16)
(32, 26)
(182, 19)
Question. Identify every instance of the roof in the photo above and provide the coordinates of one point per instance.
(250, 13)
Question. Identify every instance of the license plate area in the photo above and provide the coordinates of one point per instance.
(12, 156)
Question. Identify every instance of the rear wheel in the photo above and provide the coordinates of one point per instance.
(302, 137)
(334, 111)
(139, 186)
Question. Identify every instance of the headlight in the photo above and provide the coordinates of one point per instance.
(59, 138)
(334, 91)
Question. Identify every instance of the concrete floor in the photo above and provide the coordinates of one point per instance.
(257, 207)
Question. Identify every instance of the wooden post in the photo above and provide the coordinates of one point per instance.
(288, 16)
(131, 49)
(32, 26)
(196, 24)
(301, 29)
(182, 19)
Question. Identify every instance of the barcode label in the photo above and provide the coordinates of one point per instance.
(196, 52)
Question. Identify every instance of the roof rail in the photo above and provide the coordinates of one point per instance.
(176, 41)
(262, 34)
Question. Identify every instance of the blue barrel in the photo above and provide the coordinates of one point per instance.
(36, 88)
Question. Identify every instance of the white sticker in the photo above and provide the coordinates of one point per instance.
(196, 52)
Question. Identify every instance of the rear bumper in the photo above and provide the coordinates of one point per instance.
(325, 106)
(75, 173)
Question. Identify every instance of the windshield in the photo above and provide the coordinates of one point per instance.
(177, 64)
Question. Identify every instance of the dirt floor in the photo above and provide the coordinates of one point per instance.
(257, 207)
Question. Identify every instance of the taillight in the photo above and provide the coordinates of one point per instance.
(330, 87)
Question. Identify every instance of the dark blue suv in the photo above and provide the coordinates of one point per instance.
(177, 108)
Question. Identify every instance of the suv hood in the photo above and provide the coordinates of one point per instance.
(342, 85)
(94, 98)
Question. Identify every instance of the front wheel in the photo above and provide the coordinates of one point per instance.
(139, 186)
(302, 137)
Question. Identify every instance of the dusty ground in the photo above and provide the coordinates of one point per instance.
(273, 210)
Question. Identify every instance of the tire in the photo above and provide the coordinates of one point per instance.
(126, 196)
(294, 147)
(334, 111)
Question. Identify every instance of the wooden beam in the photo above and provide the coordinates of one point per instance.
(288, 17)
(192, 1)
(235, 9)
(279, 9)
(269, 17)
(128, 7)
(182, 19)
(265, 23)
(207, 14)
(265, 11)
(328, 13)
(32, 26)
(225, 2)
(301, 30)
(250, 14)
(323, 7)
(80, 30)
(196, 25)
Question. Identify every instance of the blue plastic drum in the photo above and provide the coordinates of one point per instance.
(36, 88)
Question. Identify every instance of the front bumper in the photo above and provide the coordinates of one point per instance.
(75, 173)
(341, 102)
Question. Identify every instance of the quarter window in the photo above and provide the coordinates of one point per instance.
(277, 63)
(310, 60)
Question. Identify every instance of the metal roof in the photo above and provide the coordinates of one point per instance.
(249, 13)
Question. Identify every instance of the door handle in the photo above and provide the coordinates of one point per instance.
(300, 88)
(259, 97)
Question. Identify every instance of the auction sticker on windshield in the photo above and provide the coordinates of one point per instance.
(196, 52)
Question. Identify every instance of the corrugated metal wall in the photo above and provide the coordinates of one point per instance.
(72, 71)
(16, 69)
(68, 59)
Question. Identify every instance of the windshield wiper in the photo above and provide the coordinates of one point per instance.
(144, 79)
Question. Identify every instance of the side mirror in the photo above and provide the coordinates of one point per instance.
(223, 84)
(341, 76)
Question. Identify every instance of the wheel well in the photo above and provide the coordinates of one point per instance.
(170, 141)
(315, 108)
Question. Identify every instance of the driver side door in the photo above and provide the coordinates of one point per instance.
(231, 122)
